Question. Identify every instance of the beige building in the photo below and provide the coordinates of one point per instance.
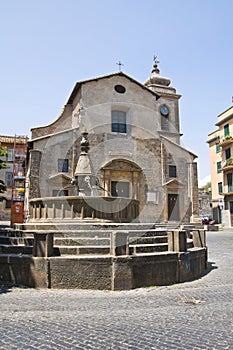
(221, 167)
(135, 152)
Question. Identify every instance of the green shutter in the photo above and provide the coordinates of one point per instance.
(226, 130)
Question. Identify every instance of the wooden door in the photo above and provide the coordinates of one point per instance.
(173, 207)
(120, 189)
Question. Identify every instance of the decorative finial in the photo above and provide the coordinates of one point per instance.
(155, 59)
(155, 66)
(120, 64)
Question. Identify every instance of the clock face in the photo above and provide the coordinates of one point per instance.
(164, 110)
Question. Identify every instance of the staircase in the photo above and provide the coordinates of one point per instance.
(88, 239)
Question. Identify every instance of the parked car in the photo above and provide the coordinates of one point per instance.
(207, 220)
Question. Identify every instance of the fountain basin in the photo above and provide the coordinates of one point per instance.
(113, 209)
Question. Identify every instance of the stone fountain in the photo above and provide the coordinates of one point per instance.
(89, 201)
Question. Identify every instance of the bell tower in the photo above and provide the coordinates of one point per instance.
(168, 103)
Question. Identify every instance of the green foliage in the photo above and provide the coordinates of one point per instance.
(3, 153)
(207, 187)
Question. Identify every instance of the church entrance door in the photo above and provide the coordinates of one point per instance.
(173, 207)
(120, 189)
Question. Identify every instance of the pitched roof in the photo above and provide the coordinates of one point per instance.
(78, 84)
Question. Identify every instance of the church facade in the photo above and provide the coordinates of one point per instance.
(134, 147)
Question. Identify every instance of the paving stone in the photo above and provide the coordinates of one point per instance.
(193, 315)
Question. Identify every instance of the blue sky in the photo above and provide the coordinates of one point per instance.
(48, 45)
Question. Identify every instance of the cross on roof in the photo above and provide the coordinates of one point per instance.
(155, 59)
(120, 64)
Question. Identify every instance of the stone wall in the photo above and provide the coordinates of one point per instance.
(105, 272)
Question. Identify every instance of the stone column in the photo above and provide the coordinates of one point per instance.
(107, 182)
(135, 185)
(119, 243)
(121, 261)
(177, 241)
(43, 244)
(199, 238)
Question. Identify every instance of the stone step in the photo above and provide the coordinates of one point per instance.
(60, 226)
(11, 233)
(74, 225)
(97, 233)
(147, 233)
(16, 240)
(96, 241)
(134, 249)
(15, 249)
(148, 248)
(148, 240)
(81, 241)
(85, 250)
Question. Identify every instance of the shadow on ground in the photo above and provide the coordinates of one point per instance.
(210, 267)
(5, 288)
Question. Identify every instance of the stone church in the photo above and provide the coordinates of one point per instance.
(133, 131)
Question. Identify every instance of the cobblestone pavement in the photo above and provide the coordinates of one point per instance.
(193, 315)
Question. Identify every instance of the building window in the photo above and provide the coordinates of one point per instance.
(10, 153)
(229, 182)
(8, 204)
(164, 123)
(218, 148)
(63, 165)
(8, 179)
(219, 167)
(228, 153)
(220, 187)
(119, 121)
(172, 171)
(57, 193)
(226, 130)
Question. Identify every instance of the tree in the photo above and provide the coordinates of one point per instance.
(3, 152)
(207, 187)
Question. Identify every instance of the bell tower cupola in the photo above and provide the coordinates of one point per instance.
(156, 78)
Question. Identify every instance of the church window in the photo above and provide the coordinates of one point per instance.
(63, 165)
(120, 89)
(172, 171)
(164, 123)
(119, 121)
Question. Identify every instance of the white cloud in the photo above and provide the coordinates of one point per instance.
(204, 181)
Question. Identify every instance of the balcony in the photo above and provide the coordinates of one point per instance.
(227, 165)
(19, 177)
(225, 141)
